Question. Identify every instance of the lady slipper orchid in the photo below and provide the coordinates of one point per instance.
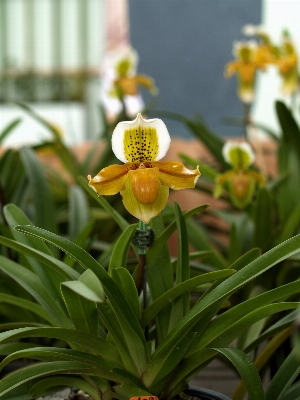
(245, 66)
(288, 66)
(142, 180)
(240, 182)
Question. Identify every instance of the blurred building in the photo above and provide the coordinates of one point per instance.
(50, 56)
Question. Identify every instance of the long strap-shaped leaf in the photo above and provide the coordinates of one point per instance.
(27, 305)
(93, 344)
(177, 290)
(247, 370)
(132, 330)
(42, 197)
(283, 323)
(120, 251)
(193, 363)
(230, 317)
(56, 353)
(181, 305)
(285, 376)
(231, 332)
(264, 357)
(229, 286)
(43, 369)
(56, 382)
(51, 262)
(15, 216)
(33, 285)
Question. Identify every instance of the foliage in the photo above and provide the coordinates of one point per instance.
(114, 347)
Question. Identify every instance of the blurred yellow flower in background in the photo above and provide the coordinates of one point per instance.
(240, 182)
(287, 65)
(245, 66)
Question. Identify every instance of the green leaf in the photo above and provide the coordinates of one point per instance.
(181, 304)
(83, 312)
(284, 377)
(158, 254)
(290, 226)
(7, 349)
(63, 269)
(92, 343)
(263, 357)
(160, 279)
(160, 367)
(60, 354)
(120, 251)
(51, 279)
(64, 153)
(293, 392)
(42, 197)
(181, 288)
(59, 382)
(10, 127)
(126, 284)
(32, 284)
(27, 305)
(282, 324)
(230, 318)
(246, 259)
(229, 286)
(200, 240)
(80, 240)
(247, 371)
(263, 217)
(19, 393)
(248, 320)
(290, 129)
(123, 224)
(132, 330)
(78, 211)
(109, 320)
(88, 286)
(127, 390)
(129, 378)
(43, 369)
(288, 161)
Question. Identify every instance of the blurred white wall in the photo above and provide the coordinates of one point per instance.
(37, 30)
(45, 36)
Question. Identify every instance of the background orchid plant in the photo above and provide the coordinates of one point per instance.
(106, 340)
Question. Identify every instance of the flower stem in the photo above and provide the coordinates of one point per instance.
(141, 283)
(247, 119)
(141, 278)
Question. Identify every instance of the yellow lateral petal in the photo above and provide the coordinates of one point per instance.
(144, 211)
(145, 184)
(175, 175)
(110, 180)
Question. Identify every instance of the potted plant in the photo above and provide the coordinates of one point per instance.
(125, 332)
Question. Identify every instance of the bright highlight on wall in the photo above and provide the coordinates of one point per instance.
(277, 15)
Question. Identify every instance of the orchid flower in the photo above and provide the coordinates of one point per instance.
(142, 180)
(120, 83)
(240, 181)
(245, 66)
(288, 66)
